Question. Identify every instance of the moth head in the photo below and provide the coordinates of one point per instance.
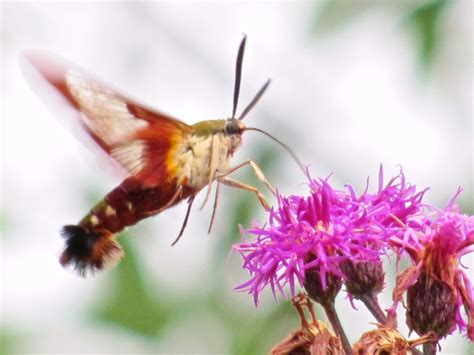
(234, 126)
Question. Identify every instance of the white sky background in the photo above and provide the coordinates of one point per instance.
(345, 102)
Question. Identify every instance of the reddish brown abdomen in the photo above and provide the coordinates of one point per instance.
(91, 246)
(129, 203)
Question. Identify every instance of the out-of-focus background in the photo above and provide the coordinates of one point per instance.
(355, 84)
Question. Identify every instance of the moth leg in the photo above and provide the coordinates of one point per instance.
(170, 203)
(239, 185)
(212, 169)
(258, 173)
(185, 222)
(214, 209)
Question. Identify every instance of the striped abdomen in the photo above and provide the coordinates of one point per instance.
(90, 245)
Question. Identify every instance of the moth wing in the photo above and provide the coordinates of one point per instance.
(139, 139)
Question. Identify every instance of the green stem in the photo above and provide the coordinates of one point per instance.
(336, 325)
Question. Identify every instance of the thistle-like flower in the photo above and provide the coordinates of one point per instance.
(399, 200)
(312, 236)
(437, 286)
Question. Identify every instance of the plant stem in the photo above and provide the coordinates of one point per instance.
(336, 325)
(429, 348)
(372, 304)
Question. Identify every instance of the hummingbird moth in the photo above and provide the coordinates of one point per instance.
(166, 160)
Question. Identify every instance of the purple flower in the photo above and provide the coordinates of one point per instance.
(322, 229)
(435, 244)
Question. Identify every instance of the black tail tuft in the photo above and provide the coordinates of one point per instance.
(89, 252)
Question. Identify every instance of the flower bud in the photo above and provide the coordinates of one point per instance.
(431, 306)
(363, 278)
(319, 292)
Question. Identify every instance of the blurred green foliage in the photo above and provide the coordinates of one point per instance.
(330, 15)
(421, 18)
(5, 341)
(127, 300)
(5, 222)
(10, 339)
(425, 22)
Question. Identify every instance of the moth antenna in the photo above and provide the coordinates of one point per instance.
(255, 99)
(287, 148)
(238, 74)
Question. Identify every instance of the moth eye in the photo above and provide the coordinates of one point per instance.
(232, 127)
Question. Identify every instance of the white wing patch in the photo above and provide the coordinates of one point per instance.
(104, 112)
(131, 155)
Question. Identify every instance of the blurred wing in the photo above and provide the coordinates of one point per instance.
(136, 137)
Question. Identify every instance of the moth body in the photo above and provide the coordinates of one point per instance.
(165, 160)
